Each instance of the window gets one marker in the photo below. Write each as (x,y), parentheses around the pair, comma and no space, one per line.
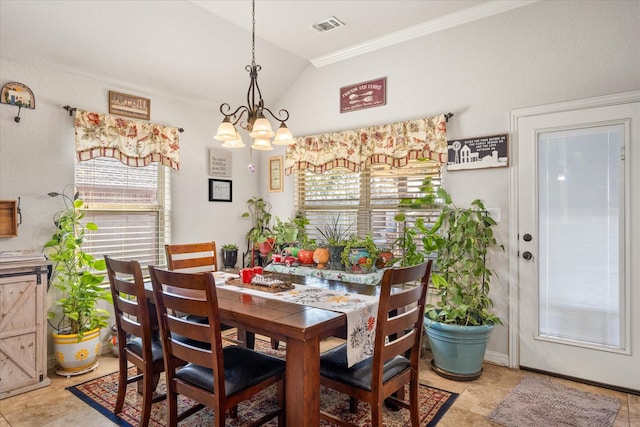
(368,199)
(130,206)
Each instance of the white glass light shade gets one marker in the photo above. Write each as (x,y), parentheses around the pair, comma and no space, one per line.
(261,129)
(226,131)
(235,143)
(283,136)
(262,144)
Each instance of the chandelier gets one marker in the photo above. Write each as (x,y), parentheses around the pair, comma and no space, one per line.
(256,123)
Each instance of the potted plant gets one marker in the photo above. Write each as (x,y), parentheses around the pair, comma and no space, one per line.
(285,231)
(260,234)
(78,319)
(229,255)
(460,323)
(360,254)
(336,237)
(307,247)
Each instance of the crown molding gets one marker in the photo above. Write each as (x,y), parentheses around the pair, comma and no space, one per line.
(455,19)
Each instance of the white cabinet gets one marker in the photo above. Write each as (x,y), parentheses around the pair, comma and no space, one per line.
(23,341)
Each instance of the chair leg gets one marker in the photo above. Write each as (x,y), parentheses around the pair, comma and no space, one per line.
(122,383)
(274,343)
(282,416)
(376,413)
(147,399)
(413,403)
(172,402)
(353,405)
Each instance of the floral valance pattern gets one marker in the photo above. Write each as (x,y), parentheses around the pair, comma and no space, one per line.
(133,142)
(392,144)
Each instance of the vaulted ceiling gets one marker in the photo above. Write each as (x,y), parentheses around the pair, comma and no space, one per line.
(198,50)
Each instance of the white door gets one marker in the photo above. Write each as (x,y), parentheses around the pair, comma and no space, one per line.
(578,239)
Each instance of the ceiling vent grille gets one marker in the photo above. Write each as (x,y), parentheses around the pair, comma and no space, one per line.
(328,24)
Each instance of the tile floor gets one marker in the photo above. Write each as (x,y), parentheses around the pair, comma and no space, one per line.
(54,406)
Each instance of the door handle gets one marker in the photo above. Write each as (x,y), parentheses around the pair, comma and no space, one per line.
(527,255)
(527,237)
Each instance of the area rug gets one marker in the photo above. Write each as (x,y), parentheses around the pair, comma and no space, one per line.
(100,393)
(540,402)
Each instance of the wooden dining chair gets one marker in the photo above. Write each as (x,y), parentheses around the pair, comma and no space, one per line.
(138,334)
(202,257)
(214,376)
(396,355)
(192,257)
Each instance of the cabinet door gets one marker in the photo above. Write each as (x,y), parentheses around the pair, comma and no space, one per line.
(19,332)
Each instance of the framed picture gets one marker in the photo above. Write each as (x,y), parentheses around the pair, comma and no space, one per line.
(276,182)
(220,162)
(136,107)
(220,190)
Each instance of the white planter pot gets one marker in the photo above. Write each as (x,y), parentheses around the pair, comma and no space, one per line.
(73,356)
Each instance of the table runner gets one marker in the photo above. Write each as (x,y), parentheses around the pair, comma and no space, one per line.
(340,275)
(361,311)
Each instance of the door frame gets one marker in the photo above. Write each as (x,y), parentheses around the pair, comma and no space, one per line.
(514,226)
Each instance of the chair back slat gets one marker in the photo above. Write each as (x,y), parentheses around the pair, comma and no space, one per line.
(192,257)
(400,316)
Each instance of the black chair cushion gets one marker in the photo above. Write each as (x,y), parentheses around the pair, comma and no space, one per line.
(243,368)
(135,345)
(333,365)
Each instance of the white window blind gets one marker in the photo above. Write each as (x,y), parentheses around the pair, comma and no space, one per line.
(130,206)
(368,199)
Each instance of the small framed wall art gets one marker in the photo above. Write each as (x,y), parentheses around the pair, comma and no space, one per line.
(132,106)
(276,182)
(220,162)
(220,190)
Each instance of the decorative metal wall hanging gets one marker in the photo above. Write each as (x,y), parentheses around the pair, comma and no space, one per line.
(18,94)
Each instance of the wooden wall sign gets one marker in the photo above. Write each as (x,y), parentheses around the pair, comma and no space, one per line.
(478,153)
(363,95)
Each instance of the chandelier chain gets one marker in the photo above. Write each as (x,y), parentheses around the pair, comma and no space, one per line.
(253,33)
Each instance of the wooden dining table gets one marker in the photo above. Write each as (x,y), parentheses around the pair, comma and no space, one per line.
(301,327)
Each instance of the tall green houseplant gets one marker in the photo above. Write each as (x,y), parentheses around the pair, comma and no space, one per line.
(75,274)
(462,238)
(460,321)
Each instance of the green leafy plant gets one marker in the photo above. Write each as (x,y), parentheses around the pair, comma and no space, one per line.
(360,242)
(74,273)
(260,214)
(285,231)
(229,247)
(333,232)
(459,239)
(462,237)
(411,234)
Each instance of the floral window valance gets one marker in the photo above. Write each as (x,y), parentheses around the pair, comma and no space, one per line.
(393,144)
(133,142)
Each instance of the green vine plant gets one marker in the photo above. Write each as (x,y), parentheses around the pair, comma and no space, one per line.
(74,273)
(461,239)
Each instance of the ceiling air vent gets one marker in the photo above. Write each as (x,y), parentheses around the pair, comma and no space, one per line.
(328,24)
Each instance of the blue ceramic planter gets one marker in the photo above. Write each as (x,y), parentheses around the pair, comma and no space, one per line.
(458,351)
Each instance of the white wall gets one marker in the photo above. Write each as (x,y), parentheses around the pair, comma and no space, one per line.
(546,52)
(37,156)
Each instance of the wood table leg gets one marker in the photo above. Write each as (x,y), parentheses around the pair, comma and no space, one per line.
(247,337)
(303,383)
